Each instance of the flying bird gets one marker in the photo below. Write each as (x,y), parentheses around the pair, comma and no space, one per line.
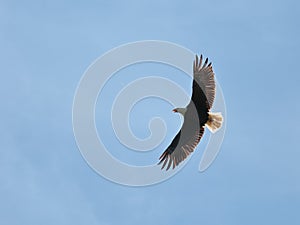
(196,116)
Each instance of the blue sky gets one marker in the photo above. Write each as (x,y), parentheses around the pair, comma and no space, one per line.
(47,45)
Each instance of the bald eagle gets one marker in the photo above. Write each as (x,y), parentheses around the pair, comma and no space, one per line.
(196,115)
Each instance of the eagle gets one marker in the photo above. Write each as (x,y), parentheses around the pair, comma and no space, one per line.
(196,116)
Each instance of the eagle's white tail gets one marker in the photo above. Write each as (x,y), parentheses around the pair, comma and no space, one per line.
(214,122)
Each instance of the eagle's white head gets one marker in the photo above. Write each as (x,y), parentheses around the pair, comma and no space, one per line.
(180,110)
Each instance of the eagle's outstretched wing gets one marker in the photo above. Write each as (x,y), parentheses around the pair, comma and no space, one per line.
(184,142)
(205,78)
(175,153)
